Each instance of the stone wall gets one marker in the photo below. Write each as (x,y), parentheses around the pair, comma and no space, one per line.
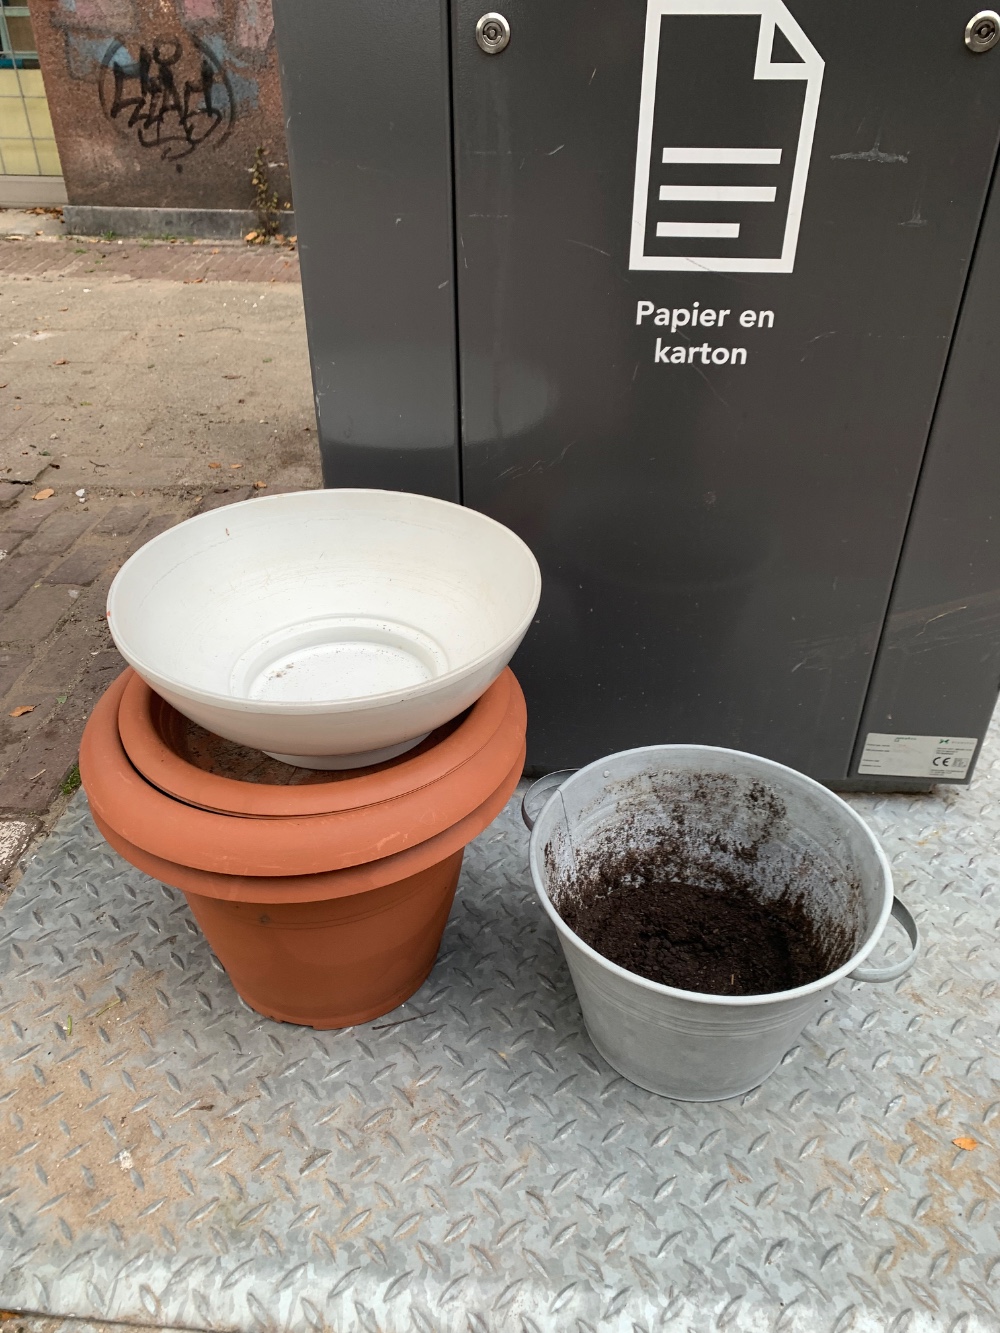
(162,103)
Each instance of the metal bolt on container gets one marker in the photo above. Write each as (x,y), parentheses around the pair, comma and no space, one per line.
(492,33)
(982,32)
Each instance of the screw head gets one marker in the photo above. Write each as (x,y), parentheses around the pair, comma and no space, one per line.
(492,33)
(982,32)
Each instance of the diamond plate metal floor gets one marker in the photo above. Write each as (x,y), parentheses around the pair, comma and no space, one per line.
(469,1163)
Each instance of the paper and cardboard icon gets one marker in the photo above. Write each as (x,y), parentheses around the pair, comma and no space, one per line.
(730,94)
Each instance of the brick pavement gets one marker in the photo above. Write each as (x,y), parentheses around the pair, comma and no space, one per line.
(187,262)
(56,655)
(59,555)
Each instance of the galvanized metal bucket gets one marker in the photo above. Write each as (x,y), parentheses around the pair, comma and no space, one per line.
(684,1044)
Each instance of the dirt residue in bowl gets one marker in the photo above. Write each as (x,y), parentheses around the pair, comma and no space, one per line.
(229,759)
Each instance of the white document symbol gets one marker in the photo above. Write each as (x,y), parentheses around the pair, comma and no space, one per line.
(730,93)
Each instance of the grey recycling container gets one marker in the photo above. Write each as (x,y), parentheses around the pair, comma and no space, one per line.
(701,303)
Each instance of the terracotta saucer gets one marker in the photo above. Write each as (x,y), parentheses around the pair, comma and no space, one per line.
(352,880)
(295,844)
(203,770)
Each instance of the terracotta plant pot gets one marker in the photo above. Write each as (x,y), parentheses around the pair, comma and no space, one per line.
(336,961)
(345,927)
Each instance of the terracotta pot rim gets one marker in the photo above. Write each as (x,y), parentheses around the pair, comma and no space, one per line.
(297,845)
(353,880)
(149,728)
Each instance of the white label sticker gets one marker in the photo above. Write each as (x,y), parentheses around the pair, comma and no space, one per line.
(938,757)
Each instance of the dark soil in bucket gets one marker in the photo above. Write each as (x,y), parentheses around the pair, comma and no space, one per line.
(720,941)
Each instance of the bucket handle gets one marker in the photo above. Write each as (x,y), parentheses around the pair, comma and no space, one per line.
(902,914)
(537,795)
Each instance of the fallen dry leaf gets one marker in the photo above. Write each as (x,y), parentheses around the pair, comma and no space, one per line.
(215,465)
(62,362)
(966,1144)
(250,236)
(235,465)
(45,494)
(189,281)
(259,485)
(21,709)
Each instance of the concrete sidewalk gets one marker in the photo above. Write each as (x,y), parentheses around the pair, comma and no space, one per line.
(140,383)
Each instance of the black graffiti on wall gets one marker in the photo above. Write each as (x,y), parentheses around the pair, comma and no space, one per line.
(175,95)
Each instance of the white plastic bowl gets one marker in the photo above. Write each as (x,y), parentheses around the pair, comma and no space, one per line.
(328,628)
